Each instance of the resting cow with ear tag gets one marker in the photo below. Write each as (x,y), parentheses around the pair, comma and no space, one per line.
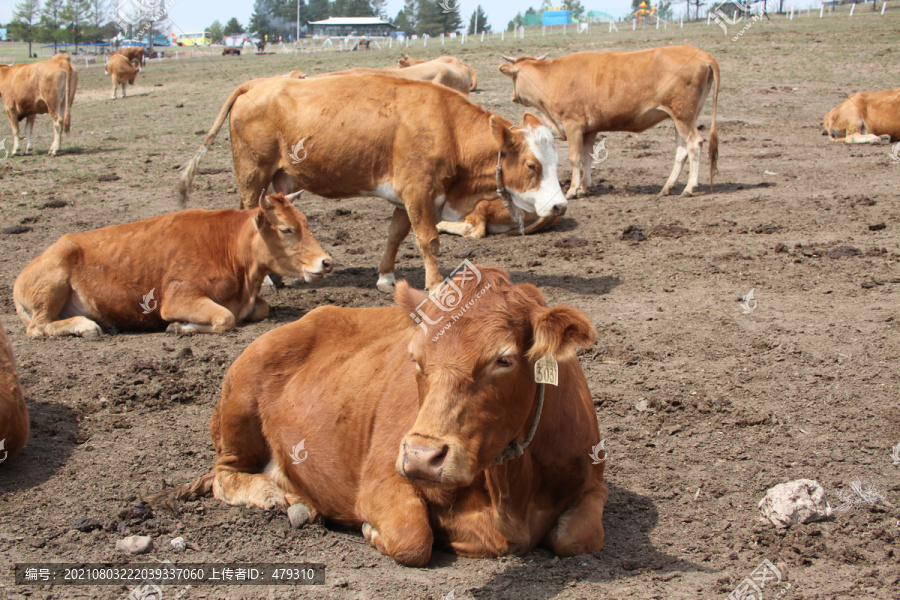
(430,426)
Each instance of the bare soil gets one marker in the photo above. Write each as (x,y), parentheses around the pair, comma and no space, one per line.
(703,406)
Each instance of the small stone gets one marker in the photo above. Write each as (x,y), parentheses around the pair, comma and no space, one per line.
(135,544)
(843,252)
(84,524)
(178,544)
(298,515)
(877,226)
(642,405)
(799,501)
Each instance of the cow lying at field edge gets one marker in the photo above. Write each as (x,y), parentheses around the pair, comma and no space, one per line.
(454,76)
(405,61)
(420,433)
(199,271)
(132,53)
(46,87)
(585,93)
(122,71)
(491,216)
(427,150)
(13,412)
(294,74)
(866,118)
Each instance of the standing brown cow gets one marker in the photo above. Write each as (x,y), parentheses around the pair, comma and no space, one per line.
(122,71)
(13,412)
(40,88)
(132,53)
(442,431)
(585,93)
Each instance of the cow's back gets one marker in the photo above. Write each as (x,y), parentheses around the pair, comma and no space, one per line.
(880,111)
(13,413)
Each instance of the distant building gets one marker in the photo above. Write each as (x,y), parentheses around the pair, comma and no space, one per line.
(556,17)
(359,26)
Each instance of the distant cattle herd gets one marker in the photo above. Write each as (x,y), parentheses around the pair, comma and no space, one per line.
(457,437)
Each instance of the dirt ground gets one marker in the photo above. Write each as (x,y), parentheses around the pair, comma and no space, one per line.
(703,406)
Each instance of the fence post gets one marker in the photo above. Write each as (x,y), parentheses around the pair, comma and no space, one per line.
(822,10)
(442,39)
(883,7)
(707,19)
(792,14)
(852,8)
(682,22)
(543,31)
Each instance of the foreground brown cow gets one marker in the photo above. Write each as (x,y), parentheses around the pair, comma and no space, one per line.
(585,93)
(122,71)
(199,271)
(421,434)
(132,53)
(40,88)
(491,216)
(405,61)
(13,412)
(866,118)
(427,150)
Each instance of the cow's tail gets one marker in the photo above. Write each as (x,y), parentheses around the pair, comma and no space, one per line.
(198,487)
(474,78)
(187,175)
(713,130)
(68,97)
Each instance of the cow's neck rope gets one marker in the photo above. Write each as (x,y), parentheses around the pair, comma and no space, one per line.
(516,449)
(514,211)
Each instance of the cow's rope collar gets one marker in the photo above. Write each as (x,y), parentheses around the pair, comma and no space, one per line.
(514,211)
(516,449)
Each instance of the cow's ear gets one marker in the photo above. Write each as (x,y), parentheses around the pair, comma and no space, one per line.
(502,134)
(530,120)
(260,219)
(559,332)
(408,298)
(533,293)
(509,71)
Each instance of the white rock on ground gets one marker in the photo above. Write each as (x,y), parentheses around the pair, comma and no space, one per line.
(178,544)
(136,544)
(799,501)
(298,515)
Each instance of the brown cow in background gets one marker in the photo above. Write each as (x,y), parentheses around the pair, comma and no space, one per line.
(407,61)
(866,118)
(122,71)
(13,413)
(46,87)
(132,53)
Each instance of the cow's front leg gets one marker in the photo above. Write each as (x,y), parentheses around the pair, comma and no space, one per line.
(576,142)
(421,216)
(29,128)
(14,123)
(196,314)
(587,160)
(867,138)
(579,530)
(396,520)
(260,311)
(398,231)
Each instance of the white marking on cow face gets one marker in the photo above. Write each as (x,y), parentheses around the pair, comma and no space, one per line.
(548,199)
(385,190)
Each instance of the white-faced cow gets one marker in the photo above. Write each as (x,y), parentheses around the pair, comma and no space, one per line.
(585,93)
(426,149)
(197,271)
(426,433)
(122,71)
(14,424)
(46,87)
(866,118)
(406,61)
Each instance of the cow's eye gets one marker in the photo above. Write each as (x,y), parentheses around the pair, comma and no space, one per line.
(504,362)
(532,166)
(285,230)
(413,360)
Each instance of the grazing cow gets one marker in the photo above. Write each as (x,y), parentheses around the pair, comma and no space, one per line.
(866,118)
(46,87)
(122,71)
(427,150)
(406,61)
(455,77)
(585,93)
(491,216)
(132,53)
(13,412)
(421,433)
(198,270)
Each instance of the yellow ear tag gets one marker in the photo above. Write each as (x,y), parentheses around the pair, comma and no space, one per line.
(546,370)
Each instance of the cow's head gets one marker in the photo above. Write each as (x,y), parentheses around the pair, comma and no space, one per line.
(404,61)
(474,367)
(525,90)
(288,247)
(528,161)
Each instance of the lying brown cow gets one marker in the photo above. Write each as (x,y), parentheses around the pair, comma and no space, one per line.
(405,61)
(866,118)
(199,271)
(13,412)
(585,93)
(132,53)
(294,74)
(427,150)
(421,433)
(491,216)
(454,76)
(40,88)
(122,71)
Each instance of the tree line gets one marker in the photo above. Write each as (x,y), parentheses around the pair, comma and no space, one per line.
(62,21)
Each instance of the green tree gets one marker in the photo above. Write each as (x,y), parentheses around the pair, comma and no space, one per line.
(359,8)
(379,8)
(576,8)
(319,9)
(403,23)
(432,20)
(411,10)
(51,19)
(100,12)
(76,14)
(24,25)
(216,31)
(233,27)
(478,22)
(517,21)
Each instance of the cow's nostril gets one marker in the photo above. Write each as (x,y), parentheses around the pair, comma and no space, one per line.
(424,462)
(558,210)
(437,461)
(327,265)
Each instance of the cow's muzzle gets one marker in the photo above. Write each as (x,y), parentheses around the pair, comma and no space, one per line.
(423,463)
(323,266)
(558,210)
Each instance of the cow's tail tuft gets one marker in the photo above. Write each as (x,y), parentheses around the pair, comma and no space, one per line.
(713,130)
(474,78)
(188,173)
(198,487)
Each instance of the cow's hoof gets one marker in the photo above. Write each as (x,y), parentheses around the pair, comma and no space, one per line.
(91,334)
(687,193)
(885,139)
(386,283)
(664,192)
(177,328)
(571,194)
